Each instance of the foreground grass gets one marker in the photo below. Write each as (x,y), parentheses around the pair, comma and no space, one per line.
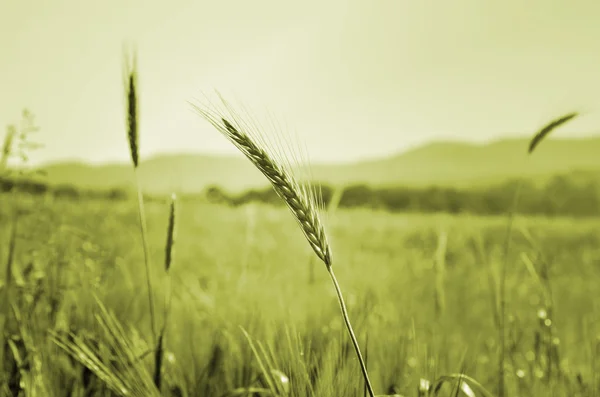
(246,269)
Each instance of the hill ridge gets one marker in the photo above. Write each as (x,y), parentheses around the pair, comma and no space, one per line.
(438,162)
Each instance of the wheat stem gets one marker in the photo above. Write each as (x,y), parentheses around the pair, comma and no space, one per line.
(144,232)
(346,317)
(502,308)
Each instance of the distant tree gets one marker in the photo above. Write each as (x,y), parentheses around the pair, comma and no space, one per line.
(557,191)
(214,194)
(457,200)
(359,195)
(395,199)
(6,184)
(66,191)
(116,194)
(32,187)
(324,190)
(562,195)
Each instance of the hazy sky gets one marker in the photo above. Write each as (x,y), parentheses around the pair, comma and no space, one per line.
(353,78)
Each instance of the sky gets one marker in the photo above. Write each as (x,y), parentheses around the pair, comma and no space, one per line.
(352,79)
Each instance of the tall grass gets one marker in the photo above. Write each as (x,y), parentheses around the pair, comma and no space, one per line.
(9,316)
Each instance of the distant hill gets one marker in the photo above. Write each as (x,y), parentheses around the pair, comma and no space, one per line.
(440,163)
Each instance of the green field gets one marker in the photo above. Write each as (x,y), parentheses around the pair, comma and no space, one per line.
(420,310)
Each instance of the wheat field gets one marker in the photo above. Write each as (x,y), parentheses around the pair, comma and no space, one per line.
(420,290)
(183,297)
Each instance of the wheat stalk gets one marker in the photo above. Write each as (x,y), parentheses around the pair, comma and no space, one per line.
(534,142)
(159,352)
(132,113)
(301,200)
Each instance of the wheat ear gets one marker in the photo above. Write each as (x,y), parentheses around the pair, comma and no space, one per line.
(300,199)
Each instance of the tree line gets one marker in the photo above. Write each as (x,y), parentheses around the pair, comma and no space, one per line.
(561,195)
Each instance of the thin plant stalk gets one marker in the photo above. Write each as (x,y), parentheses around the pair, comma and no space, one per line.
(144,233)
(502,303)
(169,247)
(440,273)
(539,136)
(365,389)
(6,302)
(363,365)
(132,114)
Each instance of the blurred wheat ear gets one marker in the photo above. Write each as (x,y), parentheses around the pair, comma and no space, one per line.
(159,352)
(170,233)
(7,146)
(548,128)
(301,199)
(131,84)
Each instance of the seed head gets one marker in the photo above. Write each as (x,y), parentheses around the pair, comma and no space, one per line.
(300,199)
